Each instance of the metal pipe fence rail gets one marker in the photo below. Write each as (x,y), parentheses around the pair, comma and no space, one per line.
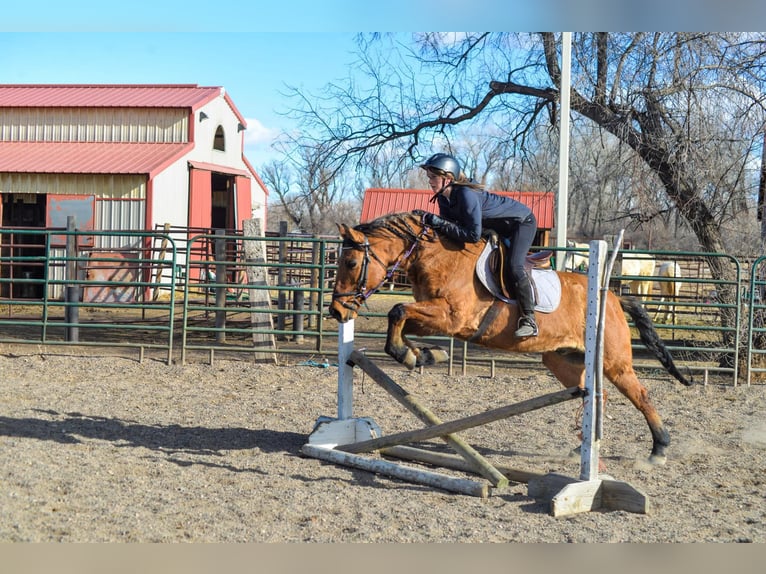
(85,296)
(265,298)
(236,302)
(756,320)
(697,316)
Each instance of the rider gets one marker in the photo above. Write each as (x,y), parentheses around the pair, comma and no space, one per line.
(465,208)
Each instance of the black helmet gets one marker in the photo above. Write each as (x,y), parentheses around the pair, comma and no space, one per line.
(443,162)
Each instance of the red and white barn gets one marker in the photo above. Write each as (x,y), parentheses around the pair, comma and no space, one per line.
(121,157)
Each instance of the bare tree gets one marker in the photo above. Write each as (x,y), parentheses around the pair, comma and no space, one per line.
(676,100)
(690,107)
(309,195)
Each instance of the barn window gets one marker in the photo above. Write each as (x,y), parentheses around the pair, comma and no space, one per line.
(219,142)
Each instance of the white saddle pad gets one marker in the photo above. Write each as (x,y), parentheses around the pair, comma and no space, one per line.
(545,282)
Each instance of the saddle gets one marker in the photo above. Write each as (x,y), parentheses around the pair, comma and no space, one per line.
(497,258)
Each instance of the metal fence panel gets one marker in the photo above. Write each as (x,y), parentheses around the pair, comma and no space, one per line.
(275,306)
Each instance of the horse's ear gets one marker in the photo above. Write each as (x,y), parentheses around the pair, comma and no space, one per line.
(350,233)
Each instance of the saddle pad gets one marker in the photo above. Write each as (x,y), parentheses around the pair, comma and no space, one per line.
(546,284)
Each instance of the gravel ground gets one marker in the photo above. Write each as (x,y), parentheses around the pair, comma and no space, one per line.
(107,449)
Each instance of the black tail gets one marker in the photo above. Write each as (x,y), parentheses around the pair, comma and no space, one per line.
(650,338)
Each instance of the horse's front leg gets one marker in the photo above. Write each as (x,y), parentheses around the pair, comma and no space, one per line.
(420,318)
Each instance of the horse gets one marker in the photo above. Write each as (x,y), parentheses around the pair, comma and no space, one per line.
(634,265)
(575,260)
(638,265)
(669,289)
(450,300)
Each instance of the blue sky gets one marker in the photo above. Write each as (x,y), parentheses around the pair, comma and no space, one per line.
(254,68)
(255,48)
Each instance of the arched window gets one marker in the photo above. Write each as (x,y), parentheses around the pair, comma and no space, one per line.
(219,142)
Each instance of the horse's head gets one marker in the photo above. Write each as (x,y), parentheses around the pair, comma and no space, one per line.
(370,254)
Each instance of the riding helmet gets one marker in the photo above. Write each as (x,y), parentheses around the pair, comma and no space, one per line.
(443,162)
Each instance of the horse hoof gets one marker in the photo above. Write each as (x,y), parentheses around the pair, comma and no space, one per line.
(425,358)
(657,459)
(410,360)
(439,355)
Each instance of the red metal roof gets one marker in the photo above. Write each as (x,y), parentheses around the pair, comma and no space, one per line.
(106,95)
(379,202)
(75,157)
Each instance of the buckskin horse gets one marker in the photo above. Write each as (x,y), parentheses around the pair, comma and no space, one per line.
(451,300)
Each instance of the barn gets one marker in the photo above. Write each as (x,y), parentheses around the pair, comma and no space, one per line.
(379,201)
(120,158)
(125,157)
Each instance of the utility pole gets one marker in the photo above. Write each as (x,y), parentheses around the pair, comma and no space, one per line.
(562,199)
(762,195)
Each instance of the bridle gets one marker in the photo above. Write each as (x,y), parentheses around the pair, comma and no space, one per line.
(362,293)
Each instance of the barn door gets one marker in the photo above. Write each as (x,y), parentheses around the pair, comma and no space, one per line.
(200,199)
(242,200)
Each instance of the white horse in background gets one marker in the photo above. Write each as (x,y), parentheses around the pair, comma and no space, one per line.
(633,264)
(669,289)
(638,265)
(576,260)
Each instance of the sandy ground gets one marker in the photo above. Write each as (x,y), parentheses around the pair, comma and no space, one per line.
(107,449)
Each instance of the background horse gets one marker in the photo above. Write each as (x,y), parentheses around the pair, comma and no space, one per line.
(632,264)
(450,300)
(669,289)
(637,265)
(576,260)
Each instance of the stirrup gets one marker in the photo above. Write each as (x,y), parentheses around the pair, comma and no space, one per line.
(527,328)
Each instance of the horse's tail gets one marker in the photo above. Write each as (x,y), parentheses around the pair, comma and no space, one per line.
(650,338)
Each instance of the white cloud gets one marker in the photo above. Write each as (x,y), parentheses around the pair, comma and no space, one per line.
(257,134)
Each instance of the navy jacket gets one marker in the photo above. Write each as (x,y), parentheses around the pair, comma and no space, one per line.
(473,210)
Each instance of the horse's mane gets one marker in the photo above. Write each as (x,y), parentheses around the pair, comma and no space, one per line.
(400,224)
(407,225)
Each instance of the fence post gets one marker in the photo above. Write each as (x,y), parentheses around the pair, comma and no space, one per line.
(220,290)
(282,296)
(257,276)
(298,316)
(314,299)
(72,309)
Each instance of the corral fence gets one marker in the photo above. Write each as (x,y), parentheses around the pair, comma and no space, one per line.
(183,294)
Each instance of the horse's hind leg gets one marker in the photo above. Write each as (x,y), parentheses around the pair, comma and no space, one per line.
(628,384)
(569,368)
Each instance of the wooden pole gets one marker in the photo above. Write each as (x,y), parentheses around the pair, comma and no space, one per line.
(453,462)
(260,299)
(282,279)
(409,474)
(444,429)
(481,465)
(161,257)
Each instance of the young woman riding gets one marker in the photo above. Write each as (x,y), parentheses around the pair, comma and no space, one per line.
(465,208)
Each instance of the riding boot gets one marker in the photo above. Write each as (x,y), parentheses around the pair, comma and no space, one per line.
(524,298)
